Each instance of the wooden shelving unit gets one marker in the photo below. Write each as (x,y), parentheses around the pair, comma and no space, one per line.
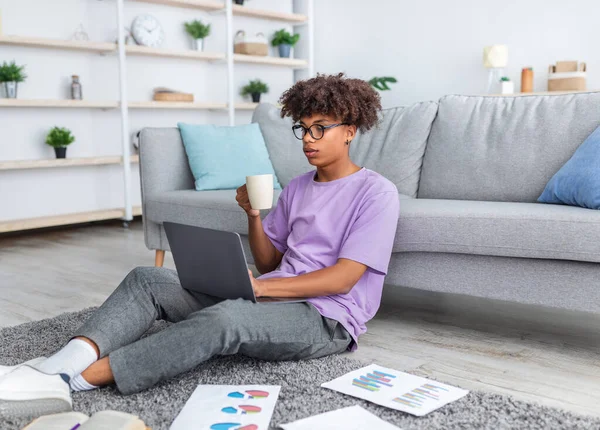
(56,220)
(64,162)
(207,5)
(72,45)
(292,18)
(176,105)
(227,58)
(167,53)
(237,10)
(49,103)
(273,61)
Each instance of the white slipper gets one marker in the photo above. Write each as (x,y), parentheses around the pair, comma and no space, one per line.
(27,392)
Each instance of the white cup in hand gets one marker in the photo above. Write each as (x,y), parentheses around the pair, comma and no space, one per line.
(260,191)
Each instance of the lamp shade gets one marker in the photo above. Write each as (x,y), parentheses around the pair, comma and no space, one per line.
(495,56)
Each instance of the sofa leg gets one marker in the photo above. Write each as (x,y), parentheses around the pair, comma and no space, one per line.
(160,258)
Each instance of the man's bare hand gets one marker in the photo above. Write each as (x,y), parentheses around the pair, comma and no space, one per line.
(257,285)
(244,202)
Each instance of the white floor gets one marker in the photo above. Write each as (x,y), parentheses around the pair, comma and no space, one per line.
(537,354)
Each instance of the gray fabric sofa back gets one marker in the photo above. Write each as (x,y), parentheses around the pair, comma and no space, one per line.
(503,148)
(394,148)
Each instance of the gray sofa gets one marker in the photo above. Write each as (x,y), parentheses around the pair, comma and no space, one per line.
(469,171)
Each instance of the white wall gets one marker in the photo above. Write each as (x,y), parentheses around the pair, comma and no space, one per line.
(435,47)
(34,193)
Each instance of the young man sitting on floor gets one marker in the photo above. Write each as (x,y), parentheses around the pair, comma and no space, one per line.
(329,238)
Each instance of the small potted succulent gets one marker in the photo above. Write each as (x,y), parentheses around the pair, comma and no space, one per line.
(255,89)
(59,138)
(381,83)
(284,41)
(10,76)
(198,31)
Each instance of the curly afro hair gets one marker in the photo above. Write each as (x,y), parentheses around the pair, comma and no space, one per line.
(353,101)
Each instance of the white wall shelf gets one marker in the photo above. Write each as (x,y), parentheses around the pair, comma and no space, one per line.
(64,162)
(73,45)
(49,103)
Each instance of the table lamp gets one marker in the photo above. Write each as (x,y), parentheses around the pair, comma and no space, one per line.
(495,58)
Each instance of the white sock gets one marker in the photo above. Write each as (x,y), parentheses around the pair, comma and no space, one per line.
(79,383)
(74,358)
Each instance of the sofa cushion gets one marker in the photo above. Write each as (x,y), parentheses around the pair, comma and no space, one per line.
(577,183)
(393,149)
(210,209)
(221,157)
(503,148)
(396,146)
(529,230)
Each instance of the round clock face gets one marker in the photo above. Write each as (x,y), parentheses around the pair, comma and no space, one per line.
(146,30)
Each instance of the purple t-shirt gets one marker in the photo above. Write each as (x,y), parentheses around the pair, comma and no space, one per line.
(316,223)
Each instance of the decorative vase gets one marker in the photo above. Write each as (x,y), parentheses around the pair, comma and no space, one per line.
(255,97)
(199,44)
(284,50)
(61,152)
(10,89)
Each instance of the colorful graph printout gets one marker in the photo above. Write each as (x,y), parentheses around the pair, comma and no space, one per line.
(228,407)
(396,390)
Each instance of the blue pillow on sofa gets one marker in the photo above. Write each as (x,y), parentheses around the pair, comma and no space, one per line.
(221,157)
(577,183)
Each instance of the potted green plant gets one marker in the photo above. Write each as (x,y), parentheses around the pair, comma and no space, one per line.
(284,41)
(59,138)
(198,31)
(10,76)
(381,83)
(255,89)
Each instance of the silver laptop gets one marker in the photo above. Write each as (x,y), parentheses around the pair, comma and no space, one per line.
(213,262)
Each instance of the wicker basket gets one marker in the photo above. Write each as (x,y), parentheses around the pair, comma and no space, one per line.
(247,45)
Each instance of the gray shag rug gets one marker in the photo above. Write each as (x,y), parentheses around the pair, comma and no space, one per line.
(301,395)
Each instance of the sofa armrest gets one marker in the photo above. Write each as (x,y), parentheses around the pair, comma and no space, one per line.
(163,162)
(163,167)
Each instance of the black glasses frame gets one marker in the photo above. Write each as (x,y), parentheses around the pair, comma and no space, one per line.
(308,129)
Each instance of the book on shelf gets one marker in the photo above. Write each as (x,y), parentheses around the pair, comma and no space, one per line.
(112,420)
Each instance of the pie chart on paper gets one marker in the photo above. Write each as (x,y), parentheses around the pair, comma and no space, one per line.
(242,409)
(232,426)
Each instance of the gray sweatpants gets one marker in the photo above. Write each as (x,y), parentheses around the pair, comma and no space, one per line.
(204,327)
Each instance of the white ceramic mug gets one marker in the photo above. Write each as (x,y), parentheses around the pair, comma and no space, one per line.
(260,191)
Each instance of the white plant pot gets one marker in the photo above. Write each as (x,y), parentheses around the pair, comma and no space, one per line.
(508,87)
(199,44)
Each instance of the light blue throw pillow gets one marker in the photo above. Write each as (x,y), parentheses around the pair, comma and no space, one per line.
(221,157)
(577,183)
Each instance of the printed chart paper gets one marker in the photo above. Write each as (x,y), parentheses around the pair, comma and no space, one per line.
(396,390)
(351,418)
(228,407)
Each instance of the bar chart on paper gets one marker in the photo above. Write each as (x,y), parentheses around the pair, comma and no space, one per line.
(396,390)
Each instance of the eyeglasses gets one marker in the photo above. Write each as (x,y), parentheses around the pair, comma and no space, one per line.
(316,130)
